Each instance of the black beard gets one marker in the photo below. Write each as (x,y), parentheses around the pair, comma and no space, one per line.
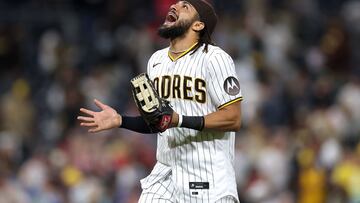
(176,30)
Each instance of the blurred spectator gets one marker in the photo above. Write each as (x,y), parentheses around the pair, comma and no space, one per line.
(312,178)
(18,111)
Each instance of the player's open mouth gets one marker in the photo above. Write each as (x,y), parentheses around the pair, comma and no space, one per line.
(171,18)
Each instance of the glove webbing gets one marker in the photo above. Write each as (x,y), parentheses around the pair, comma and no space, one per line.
(145,93)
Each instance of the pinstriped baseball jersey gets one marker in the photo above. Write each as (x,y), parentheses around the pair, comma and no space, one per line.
(196,84)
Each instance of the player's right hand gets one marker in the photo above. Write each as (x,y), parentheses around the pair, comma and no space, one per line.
(105,119)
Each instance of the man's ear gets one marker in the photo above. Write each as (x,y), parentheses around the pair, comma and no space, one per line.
(198,26)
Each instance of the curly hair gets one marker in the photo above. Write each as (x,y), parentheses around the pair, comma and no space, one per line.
(204,38)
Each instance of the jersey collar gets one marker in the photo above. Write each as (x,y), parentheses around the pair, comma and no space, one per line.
(183,54)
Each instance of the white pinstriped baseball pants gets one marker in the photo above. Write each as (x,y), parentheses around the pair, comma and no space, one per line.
(163,191)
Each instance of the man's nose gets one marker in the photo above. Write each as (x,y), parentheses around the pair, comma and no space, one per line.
(174,6)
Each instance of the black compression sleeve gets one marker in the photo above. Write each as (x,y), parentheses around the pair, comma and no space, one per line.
(136,124)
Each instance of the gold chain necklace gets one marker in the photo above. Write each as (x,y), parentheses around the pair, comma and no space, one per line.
(177,52)
(180,52)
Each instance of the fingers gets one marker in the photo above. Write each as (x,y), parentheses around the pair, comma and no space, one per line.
(100,104)
(93,127)
(94,130)
(87,119)
(86,111)
(88,124)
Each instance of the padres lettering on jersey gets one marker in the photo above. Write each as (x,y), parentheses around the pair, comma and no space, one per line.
(180,87)
(201,163)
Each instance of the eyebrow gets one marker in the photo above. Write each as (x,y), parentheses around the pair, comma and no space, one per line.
(185,2)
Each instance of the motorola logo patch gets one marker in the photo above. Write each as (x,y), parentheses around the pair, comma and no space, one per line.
(232,86)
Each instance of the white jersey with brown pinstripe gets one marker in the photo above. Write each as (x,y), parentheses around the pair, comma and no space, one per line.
(196,84)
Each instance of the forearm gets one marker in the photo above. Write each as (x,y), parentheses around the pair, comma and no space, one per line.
(136,124)
(222,121)
(225,119)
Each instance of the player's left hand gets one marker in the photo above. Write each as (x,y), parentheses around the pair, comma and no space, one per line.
(156,111)
(105,119)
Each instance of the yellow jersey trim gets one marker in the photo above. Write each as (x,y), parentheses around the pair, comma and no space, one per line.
(183,54)
(230,102)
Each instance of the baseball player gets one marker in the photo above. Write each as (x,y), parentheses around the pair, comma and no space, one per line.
(195,154)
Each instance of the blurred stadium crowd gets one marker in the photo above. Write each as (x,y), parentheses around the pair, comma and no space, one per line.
(298,63)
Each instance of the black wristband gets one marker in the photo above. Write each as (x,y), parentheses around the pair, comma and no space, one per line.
(136,124)
(193,122)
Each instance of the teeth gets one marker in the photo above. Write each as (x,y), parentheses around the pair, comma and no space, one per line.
(173,15)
